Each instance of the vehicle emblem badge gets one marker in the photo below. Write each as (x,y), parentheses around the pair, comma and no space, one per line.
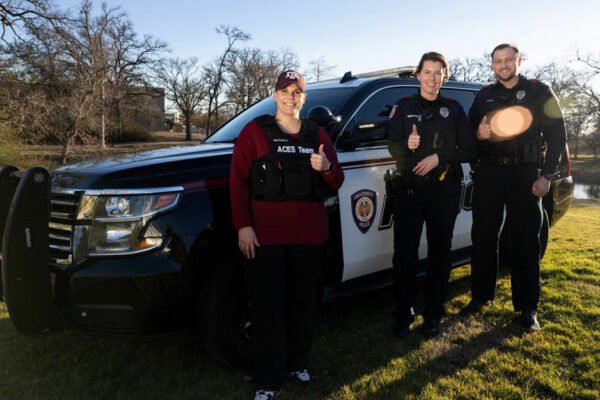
(444,112)
(38,178)
(364,207)
(520,94)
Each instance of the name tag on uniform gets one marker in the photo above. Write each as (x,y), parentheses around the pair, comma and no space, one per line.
(294,149)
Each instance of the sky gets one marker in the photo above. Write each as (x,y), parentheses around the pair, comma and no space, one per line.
(371,35)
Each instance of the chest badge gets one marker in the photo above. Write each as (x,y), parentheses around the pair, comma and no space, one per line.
(364,207)
(444,112)
(520,94)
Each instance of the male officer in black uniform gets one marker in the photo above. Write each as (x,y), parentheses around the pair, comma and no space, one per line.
(516,164)
(430,136)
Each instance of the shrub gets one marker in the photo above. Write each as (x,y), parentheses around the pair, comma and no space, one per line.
(131,132)
(9,148)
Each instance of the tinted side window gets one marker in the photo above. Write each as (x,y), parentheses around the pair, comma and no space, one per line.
(464,97)
(330,98)
(368,126)
(379,105)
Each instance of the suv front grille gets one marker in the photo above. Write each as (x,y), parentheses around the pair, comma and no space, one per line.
(63,212)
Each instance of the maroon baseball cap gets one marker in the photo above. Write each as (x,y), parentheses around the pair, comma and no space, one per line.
(288,77)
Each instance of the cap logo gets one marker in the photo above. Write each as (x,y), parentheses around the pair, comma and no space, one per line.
(291,75)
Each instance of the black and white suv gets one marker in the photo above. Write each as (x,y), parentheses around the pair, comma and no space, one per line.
(143,245)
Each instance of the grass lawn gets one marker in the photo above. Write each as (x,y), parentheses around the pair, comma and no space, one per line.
(355,356)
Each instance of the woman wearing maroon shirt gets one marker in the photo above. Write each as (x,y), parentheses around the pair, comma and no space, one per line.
(282,234)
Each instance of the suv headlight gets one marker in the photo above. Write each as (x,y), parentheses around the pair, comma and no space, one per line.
(120,219)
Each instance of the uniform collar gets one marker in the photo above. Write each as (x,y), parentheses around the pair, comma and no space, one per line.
(429,103)
(523,81)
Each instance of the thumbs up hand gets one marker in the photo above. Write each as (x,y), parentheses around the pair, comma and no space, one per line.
(414,139)
(484,132)
(319,162)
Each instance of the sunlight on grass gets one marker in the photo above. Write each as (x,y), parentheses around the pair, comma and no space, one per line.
(355,356)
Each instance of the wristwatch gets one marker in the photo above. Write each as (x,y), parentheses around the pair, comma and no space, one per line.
(548,175)
(328,168)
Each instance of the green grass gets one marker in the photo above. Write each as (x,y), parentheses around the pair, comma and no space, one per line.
(355,356)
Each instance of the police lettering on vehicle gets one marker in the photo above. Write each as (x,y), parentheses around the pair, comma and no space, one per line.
(364,206)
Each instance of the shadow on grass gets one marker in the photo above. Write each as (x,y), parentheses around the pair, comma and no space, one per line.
(353,340)
(458,353)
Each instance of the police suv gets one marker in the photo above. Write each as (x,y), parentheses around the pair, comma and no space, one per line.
(142,245)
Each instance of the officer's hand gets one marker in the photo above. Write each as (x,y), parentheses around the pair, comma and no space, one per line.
(484,132)
(319,162)
(427,164)
(414,139)
(247,240)
(540,187)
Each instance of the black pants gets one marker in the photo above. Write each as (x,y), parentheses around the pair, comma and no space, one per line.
(496,187)
(438,210)
(281,281)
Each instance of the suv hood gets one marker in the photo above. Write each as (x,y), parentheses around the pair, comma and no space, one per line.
(152,168)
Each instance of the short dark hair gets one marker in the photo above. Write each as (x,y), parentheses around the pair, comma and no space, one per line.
(506,46)
(433,56)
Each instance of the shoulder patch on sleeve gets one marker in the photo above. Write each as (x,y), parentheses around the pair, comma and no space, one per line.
(489,85)
(451,98)
(533,80)
(405,97)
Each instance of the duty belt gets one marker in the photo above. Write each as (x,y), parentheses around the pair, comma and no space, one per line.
(502,160)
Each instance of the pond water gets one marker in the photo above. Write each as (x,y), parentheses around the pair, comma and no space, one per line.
(586,191)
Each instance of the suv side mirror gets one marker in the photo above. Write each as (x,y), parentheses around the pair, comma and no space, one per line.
(321,115)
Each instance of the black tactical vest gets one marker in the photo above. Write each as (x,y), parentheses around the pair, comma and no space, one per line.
(436,127)
(285,172)
(528,148)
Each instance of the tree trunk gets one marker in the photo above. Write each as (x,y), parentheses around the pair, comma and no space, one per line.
(103,124)
(188,127)
(207,128)
(66,150)
(118,118)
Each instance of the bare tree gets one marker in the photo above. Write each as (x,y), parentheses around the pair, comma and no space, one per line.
(184,87)
(214,72)
(591,61)
(472,69)
(318,70)
(130,62)
(592,140)
(59,71)
(568,85)
(252,75)
(51,94)
(15,13)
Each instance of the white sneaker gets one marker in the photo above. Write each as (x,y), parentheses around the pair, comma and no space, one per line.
(266,394)
(300,376)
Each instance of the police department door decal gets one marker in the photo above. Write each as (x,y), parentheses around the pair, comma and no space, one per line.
(364,206)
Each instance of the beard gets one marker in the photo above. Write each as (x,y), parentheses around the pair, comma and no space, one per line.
(510,76)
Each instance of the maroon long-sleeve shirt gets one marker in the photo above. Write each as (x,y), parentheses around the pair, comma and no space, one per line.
(277,222)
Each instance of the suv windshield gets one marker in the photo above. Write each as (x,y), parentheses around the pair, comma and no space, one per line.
(330,98)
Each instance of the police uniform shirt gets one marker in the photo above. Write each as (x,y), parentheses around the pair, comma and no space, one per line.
(441,116)
(539,99)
